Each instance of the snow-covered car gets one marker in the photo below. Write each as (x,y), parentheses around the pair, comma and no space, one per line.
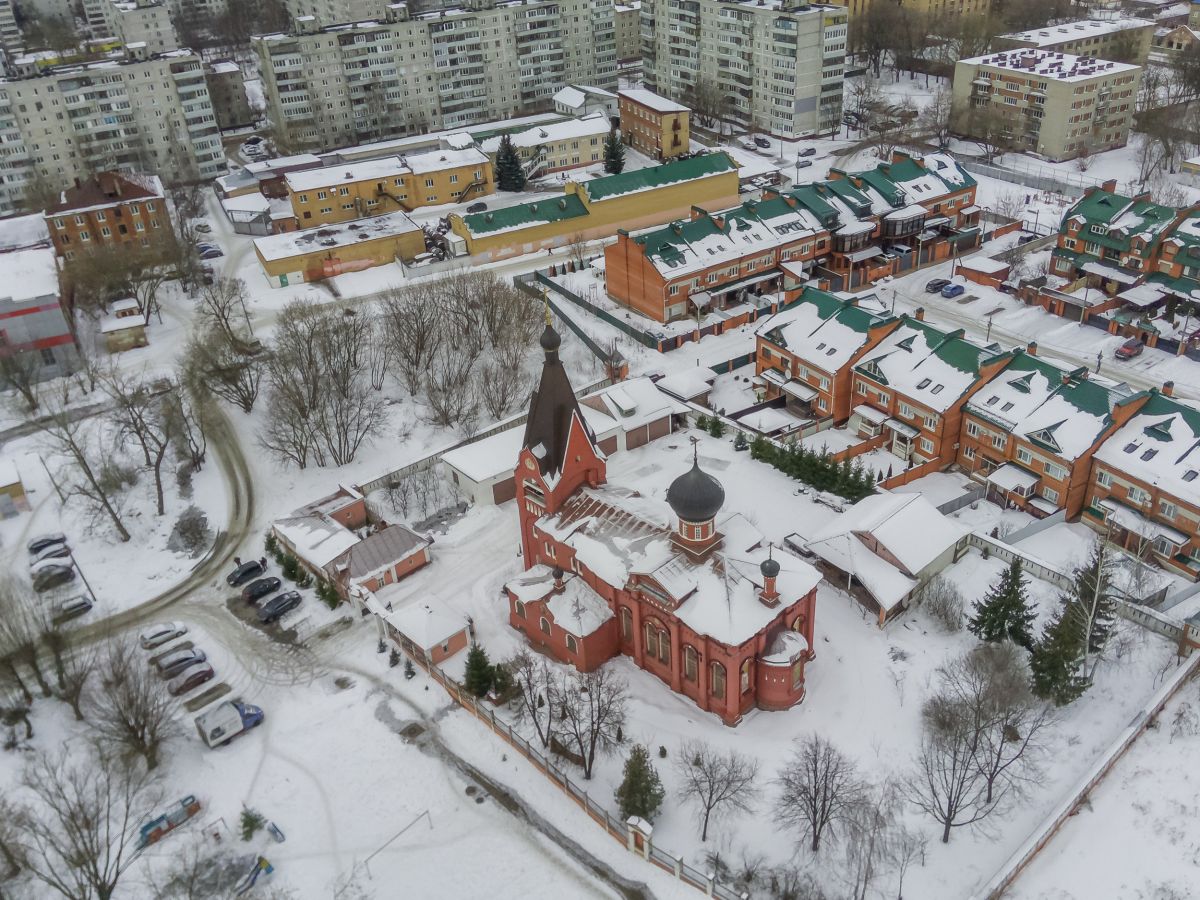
(173,662)
(72,608)
(190,678)
(51,574)
(202,228)
(45,540)
(52,551)
(157,635)
(747,144)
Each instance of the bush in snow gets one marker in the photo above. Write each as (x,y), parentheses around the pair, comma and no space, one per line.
(251,822)
(409,671)
(190,534)
(940,598)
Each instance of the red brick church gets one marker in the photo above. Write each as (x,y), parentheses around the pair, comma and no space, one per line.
(694,596)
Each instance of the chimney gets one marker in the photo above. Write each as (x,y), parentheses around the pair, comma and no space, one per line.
(1110,186)
(1168,389)
(1031,349)
(919,314)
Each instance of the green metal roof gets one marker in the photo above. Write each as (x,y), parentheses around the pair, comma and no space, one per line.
(1127,217)
(829,306)
(658,176)
(1182,286)
(1159,405)
(525,215)
(663,242)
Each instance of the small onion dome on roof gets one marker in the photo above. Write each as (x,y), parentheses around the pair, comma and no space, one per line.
(557,573)
(769,568)
(549,340)
(695,496)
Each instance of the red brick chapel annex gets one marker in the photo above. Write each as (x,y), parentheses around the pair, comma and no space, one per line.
(692,595)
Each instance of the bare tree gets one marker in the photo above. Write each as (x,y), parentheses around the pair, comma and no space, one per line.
(413,327)
(221,307)
(991,127)
(20,372)
(709,104)
(535,684)
(228,371)
(78,834)
(718,783)
(501,387)
(73,669)
(447,386)
(817,787)
(76,440)
(591,712)
(23,620)
(936,119)
(133,711)
(870,824)
(12,853)
(138,412)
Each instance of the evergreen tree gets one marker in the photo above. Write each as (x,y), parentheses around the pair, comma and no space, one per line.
(739,441)
(614,154)
(716,426)
(640,792)
(1004,613)
(761,448)
(510,174)
(1093,599)
(1054,663)
(479,673)
(702,422)
(409,671)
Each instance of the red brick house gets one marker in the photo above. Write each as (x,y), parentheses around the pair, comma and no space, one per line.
(108,210)
(692,596)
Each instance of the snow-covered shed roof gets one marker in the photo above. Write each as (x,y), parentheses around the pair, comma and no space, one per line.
(427,624)
(596,124)
(333,176)
(327,237)
(688,384)
(23,231)
(823,330)
(1160,446)
(8,472)
(379,551)
(28,274)
(316,539)
(632,403)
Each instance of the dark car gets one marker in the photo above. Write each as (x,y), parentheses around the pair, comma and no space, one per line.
(808,151)
(65,610)
(274,608)
(803,163)
(256,590)
(172,663)
(1026,238)
(51,576)
(762,143)
(42,541)
(1131,348)
(245,572)
(477,208)
(189,678)
(953,290)
(935,285)
(211,253)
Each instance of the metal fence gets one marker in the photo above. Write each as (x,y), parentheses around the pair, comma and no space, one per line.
(1039,179)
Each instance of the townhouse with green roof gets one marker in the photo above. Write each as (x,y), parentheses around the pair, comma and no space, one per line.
(1029,433)
(807,352)
(909,390)
(1144,491)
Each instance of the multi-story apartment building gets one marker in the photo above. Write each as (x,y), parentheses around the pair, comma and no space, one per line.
(227,91)
(1145,484)
(627,22)
(1030,433)
(133,22)
(653,125)
(927,8)
(808,351)
(714,261)
(333,12)
(1120,39)
(912,386)
(1051,103)
(11,39)
(333,194)
(774,66)
(109,210)
(133,111)
(344,84)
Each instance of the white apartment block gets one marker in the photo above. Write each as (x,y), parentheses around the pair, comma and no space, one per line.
(327,86)
(11,38)
(336,12)
(776,65)
(132,111)
(142,21)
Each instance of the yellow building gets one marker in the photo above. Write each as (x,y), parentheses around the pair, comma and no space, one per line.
(1120,38)
(325,251)
(334,194)
(558,146)
(595,209)
(922,7)
(653,125)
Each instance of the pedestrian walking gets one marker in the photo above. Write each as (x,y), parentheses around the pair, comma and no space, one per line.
(1099,357)
(237,561)
(263,562)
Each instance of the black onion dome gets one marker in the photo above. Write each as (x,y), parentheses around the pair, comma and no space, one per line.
(695,496)
(549,340)
(769,568)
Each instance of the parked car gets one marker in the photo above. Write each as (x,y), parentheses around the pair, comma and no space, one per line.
(1026,238)
(206,245)
(747,144)
(54,551)
(51,575)
(803,163)
(762,143)
(172,663)
(253,140)
(1131,348)
(211,253)
(245,572)
(45,540)
(274,608)
(190,678)
(202,228)
(935,285)
(953,290)
(72,608)
(206,275)
(808,151)
(477,208)
(256,590)
(157,635)
(224,722)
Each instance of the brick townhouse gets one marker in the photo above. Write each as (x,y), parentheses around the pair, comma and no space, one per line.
(912,386)
(807,352)
(110,209)
(1144,491)
(1030,433)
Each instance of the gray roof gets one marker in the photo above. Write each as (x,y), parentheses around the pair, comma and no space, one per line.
(380,550)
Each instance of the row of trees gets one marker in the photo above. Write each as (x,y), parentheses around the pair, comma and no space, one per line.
(846,479)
